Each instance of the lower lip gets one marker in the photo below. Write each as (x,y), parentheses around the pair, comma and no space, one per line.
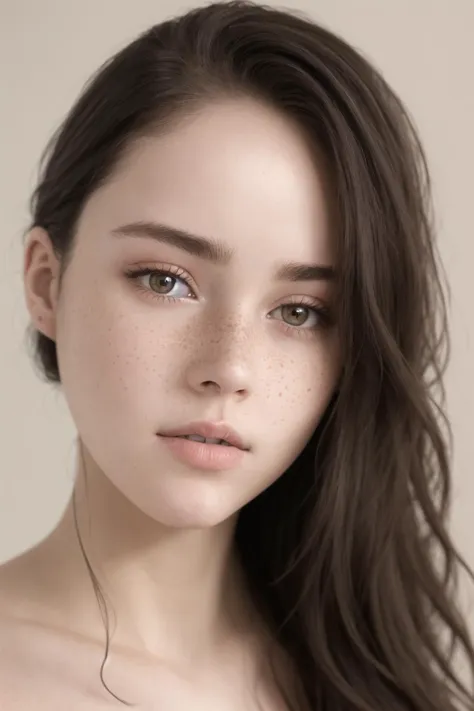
(209,457)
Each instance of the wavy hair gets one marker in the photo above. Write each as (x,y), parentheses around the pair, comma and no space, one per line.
(347,555)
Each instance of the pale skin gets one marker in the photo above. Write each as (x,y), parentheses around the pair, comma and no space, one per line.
(159,534)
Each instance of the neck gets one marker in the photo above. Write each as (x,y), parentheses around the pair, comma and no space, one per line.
(173,593)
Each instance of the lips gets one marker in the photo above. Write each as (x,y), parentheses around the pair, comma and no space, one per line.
(204,440)
(209,430)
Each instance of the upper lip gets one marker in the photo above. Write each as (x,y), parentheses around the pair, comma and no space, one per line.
(216,430)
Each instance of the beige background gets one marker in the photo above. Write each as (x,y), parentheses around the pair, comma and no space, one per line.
(48,48)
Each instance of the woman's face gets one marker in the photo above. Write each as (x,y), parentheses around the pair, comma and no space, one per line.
(231,332)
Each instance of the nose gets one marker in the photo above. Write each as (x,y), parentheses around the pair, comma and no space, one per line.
(222,367)
(223,379)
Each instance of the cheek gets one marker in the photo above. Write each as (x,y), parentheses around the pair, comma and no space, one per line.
(300,388)
(114,360)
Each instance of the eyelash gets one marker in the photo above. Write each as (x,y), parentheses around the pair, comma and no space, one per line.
(322,312)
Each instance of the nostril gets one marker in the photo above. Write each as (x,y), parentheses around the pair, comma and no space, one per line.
(209,384)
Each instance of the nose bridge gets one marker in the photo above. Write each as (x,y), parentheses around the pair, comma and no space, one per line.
(228,334)
(223,355)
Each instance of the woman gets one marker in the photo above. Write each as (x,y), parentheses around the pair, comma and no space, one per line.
(230,271)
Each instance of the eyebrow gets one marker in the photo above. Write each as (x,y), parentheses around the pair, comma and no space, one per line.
(214,251)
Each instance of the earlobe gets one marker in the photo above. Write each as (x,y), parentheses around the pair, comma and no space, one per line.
(41,277)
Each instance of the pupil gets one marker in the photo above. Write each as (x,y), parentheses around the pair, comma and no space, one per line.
(296,315)
(163,283)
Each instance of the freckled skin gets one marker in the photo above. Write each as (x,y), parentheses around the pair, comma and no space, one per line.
(133,363)
(132,366)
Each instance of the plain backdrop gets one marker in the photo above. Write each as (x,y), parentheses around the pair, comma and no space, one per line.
(48,49)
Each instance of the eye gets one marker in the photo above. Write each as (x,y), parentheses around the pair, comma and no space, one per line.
(296,314)
(162,282)
(168,285)
(301,316)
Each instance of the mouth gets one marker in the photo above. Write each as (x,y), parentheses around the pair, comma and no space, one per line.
(205,440)
(206,446)
(210,433)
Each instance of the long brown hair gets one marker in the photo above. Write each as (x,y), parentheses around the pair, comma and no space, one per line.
(347,555)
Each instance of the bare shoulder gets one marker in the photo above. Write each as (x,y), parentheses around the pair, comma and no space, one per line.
(39,669)
(45,667)
(47,671)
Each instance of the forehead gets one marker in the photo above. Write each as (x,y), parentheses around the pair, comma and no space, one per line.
(237,172)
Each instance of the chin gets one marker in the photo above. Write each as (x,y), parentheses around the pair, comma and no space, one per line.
(187,507)
(189,519)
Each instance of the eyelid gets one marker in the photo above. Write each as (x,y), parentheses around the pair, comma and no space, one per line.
(304,300)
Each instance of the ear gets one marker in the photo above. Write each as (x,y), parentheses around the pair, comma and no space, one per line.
(41,270)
